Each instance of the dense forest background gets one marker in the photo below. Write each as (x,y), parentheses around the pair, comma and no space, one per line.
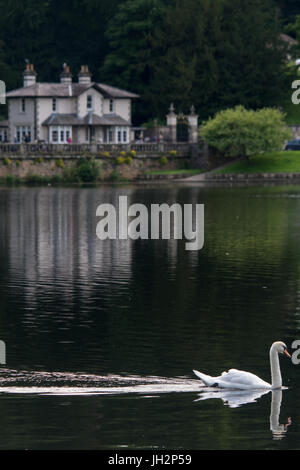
(209,53)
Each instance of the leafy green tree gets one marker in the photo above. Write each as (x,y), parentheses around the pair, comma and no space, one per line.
(239,132)
(129,62)
(219,54)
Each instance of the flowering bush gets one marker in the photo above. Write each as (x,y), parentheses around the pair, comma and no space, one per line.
(120,160)
(163,160)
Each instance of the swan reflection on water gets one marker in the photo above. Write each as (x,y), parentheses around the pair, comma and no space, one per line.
(236,398)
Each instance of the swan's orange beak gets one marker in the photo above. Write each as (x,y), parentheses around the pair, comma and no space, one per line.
(287,353)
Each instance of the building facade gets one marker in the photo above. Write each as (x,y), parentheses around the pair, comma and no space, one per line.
(68,111)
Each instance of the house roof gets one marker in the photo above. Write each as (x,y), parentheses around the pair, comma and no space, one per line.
(62,119)
(66,90)
(90,119)
(105,120)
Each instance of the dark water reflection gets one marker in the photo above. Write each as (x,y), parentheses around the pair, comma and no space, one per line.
(102,336)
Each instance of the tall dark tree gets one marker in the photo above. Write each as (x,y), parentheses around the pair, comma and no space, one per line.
(130,59)
(219,54)
(51,32)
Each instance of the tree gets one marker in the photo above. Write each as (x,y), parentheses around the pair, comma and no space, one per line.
(219,54)
(239,132)
(129,61)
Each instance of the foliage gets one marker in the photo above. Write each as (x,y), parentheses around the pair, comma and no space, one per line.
(12,180)
(217,55)
(129,61)
(163,160)
(128,160)
(88,170)
(120,160)
(240,132)
(59,163)
(6,161)
(213,54)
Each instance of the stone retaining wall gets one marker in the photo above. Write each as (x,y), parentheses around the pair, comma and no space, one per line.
(49,166)
(250,176)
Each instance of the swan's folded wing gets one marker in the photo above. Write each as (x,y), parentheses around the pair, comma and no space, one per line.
(240,378)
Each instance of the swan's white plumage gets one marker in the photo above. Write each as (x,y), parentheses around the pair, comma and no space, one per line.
(239,379)
(234,378)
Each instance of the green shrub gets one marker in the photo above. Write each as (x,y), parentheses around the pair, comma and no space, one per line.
(173,153)
(239,132)
(6,161)
(39,160)
(163,160)
(57,179)
(120,160)
(59,163)
(115,176)
(88,170)
(128,160)
(35,179)
(18,163)
(13,180)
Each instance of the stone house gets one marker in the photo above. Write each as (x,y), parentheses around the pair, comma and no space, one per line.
(68,111)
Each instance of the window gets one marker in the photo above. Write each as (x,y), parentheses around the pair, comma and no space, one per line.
(3,135)
(54,104)
(23,134)
(122,134)
(54,134)
(89,101)
(111,106)
(60,134)
(23,105)
(110,135)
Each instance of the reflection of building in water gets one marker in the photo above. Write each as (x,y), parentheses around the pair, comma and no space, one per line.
(52,242)
(53,247)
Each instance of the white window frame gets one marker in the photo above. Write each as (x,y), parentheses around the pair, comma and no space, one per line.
(21,132)
(3,135)
(63,134)
(122,135)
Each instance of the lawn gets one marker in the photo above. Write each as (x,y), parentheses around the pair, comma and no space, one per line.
(275,162)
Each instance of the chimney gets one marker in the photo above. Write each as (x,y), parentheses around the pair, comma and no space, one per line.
(29,75)
(66,76)
(84,75)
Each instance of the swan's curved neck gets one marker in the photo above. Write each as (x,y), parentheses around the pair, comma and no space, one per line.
(275,369)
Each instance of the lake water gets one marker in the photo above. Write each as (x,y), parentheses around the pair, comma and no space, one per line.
(102,336)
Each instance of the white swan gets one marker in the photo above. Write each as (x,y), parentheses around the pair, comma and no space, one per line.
(239,379)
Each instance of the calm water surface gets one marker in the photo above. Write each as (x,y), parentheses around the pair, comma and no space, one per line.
(102,336)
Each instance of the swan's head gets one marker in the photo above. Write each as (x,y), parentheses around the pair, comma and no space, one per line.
(281,348)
